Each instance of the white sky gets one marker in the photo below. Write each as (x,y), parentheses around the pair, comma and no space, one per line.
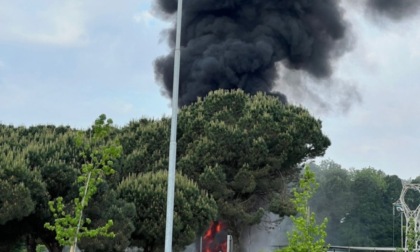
(67,61)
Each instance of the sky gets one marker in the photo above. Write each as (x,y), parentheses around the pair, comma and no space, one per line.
(65,62)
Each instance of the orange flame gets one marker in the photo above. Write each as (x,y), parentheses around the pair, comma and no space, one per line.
(215,238)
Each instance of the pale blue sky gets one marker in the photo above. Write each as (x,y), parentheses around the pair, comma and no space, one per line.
(67,61)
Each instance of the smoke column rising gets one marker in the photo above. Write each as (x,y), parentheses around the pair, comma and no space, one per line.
(233,44)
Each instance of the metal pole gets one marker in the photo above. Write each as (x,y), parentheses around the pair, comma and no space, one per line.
(172,145)
(229,245)
(402,241)
(393,225)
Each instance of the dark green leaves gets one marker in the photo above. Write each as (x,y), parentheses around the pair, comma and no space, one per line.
(193,210)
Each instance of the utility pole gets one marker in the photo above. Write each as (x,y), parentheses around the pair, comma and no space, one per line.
(172,145)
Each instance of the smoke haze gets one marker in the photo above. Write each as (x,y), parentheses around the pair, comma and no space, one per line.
(236,43)
(394,9)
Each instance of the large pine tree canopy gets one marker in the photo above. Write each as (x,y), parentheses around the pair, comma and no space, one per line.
(238,155)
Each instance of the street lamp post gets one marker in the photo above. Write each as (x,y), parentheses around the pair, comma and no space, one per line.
(172,145)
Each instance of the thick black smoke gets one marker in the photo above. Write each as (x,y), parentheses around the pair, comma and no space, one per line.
(233,44)
(395,9)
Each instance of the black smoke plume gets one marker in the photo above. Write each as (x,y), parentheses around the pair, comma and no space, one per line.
(394,9)
(233,44)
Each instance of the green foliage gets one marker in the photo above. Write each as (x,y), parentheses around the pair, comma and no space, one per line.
(307,236)
(21,188)
(16,201)
(28,178)
(41,248)
(99,155)
(244,150)
(145,146)
(109,206)
(412,236)
(193,209)
(18,247)
(333,198)
(358,205)
(370,216)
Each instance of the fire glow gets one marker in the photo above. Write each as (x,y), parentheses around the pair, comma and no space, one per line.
(215,238)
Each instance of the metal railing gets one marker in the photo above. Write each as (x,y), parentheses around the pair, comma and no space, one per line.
(350,248)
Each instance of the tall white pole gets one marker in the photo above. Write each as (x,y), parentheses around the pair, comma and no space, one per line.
(172,145)
(402,240)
